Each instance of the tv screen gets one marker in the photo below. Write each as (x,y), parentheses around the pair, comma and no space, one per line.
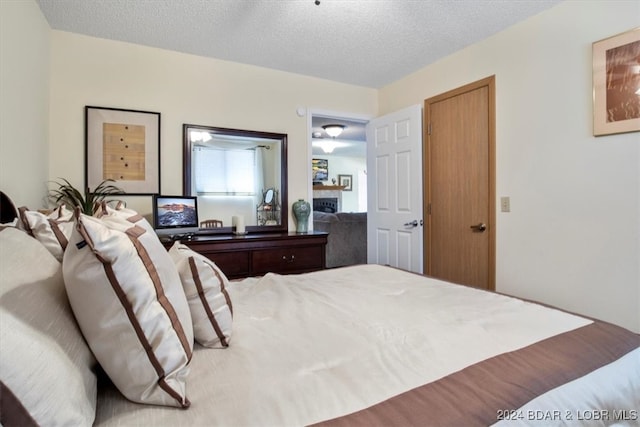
(175,215)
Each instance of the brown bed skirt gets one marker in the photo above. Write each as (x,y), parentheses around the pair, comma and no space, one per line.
(483,393)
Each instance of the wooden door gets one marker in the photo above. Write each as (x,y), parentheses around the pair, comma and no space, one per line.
(459,162)
(394,175)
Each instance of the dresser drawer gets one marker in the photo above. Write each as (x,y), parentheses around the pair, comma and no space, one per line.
(287,260)
(256,254)
(232,264)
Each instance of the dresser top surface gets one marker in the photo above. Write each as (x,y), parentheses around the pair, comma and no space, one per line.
(203,237)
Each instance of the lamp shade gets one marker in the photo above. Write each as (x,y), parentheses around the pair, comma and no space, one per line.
(333,130)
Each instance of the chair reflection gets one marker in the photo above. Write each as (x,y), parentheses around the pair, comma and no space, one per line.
(211,223)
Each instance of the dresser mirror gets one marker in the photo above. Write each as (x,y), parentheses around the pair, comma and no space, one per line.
(237,175)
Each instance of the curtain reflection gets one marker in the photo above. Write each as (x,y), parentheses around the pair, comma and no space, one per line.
(259,174)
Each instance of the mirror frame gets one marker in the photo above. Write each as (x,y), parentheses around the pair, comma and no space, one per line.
(283,227)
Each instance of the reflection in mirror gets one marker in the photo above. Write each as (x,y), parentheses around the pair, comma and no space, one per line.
(269,211)
(233,172)
(268,196)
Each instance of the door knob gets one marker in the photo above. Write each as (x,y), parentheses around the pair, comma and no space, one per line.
(413,223)
(479,227)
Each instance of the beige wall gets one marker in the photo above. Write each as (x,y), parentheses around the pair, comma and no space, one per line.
(184,89)
(24,102)
(573,235)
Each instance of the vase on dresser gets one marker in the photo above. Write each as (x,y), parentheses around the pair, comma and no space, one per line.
(301,210)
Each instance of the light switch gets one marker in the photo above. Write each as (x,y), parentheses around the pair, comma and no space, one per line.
(505,204)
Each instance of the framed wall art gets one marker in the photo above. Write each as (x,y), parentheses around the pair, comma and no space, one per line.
(123,145)
(320,169)
(616,84)
(346,181)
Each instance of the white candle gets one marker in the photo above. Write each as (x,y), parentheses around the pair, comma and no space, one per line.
(238,223)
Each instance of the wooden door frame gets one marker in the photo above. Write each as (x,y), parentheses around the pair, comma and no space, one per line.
(489,82)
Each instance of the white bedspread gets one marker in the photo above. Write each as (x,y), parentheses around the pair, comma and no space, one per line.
(311,347)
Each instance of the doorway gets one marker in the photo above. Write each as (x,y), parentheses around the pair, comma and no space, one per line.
(459,185)
(343,159)
(393,155)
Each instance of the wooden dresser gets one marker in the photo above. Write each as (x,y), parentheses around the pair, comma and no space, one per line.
(255,254)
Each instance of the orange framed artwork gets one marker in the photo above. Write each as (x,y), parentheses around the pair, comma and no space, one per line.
(616,84)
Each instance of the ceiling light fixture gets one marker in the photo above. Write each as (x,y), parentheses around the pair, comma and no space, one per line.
(333,130)
(328,146)
(197,136)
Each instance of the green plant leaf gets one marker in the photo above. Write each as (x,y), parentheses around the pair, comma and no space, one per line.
(66,193)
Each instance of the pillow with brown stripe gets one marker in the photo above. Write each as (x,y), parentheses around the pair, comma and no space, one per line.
(205,286)
(106,212)
(127,296)
(52,230)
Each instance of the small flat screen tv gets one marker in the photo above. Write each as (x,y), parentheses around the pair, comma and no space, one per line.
(175,216)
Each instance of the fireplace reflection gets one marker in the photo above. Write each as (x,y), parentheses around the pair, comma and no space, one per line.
(325,204)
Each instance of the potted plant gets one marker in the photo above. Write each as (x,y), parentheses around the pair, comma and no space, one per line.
(87,201)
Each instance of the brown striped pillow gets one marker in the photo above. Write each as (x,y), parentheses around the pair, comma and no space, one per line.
(128,299)
(120,211)
(205,287)
(52,230)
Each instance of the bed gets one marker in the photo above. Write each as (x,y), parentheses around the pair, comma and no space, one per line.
(362,345)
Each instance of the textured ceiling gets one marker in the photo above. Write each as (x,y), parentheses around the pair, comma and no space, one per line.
(368,43)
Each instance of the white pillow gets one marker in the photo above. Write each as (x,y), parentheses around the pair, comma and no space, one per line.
(128,299)
(45,363)
(205,287)
(51,230)
(106,212)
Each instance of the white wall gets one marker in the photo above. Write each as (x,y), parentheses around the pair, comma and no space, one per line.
(573,235)
(24,102)
(184,89)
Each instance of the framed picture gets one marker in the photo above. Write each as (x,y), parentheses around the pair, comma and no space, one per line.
(346,181)
(123,145)
(320,169)
(616,84)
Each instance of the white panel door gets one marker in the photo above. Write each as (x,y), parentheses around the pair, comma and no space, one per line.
(394,171)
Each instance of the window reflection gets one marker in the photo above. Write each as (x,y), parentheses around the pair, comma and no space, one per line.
(225,171)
